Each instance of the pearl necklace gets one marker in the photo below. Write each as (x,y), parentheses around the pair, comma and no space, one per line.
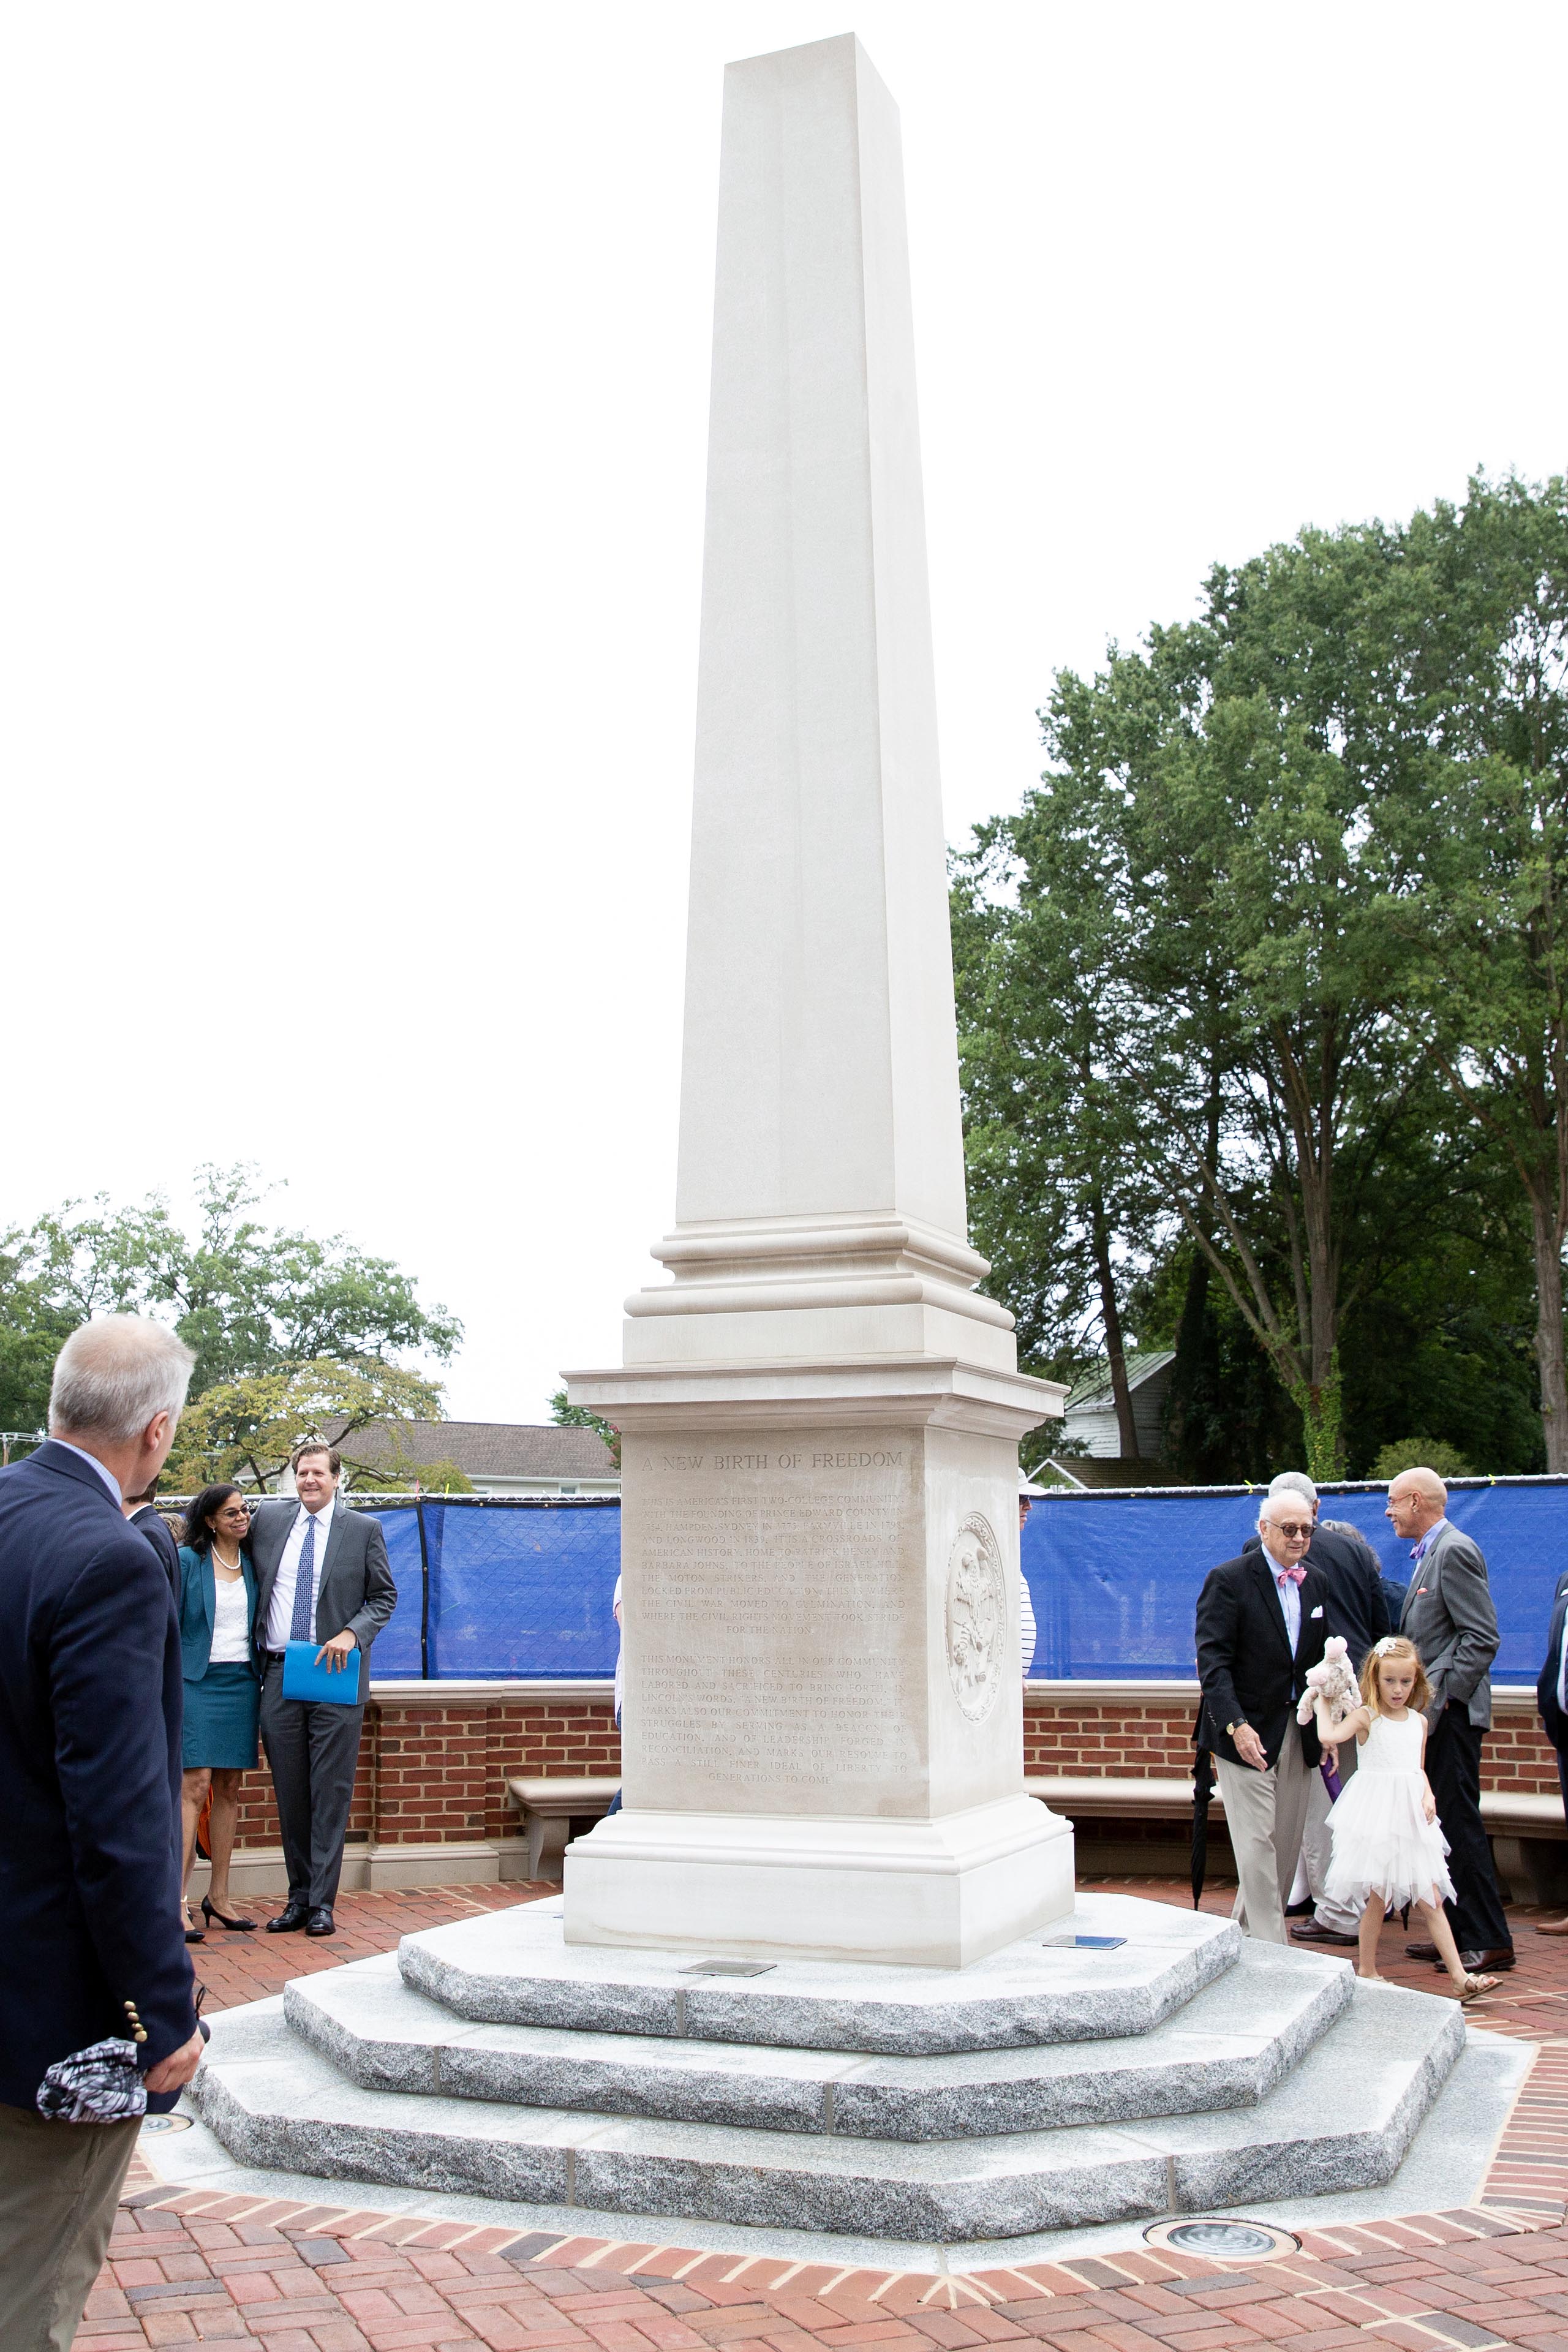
(229,1567)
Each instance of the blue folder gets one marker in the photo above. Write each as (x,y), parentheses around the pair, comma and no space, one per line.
(303,1678)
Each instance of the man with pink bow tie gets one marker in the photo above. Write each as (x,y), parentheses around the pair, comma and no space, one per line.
(1259,1627)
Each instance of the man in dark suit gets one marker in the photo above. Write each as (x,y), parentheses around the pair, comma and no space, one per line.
(141,1512)
(321,1576)
(1552,1698)
(1354,1608)
(1259,1626)
(1449,1616)
(93,1945)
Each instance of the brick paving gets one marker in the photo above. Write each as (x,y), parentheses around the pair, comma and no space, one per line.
(251,1967)
(190,2267)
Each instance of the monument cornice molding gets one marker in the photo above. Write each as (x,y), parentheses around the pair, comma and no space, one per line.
(874,1391)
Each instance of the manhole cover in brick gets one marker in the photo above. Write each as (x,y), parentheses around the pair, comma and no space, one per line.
(1223,2241)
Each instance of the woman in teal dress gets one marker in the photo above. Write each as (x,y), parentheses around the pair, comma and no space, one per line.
(217,1612)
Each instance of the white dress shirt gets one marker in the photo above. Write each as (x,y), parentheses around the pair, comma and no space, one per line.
(1290,1593)
(280,1613)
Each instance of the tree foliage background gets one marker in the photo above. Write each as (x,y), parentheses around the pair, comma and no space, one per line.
(292,1335)
(1262,1003)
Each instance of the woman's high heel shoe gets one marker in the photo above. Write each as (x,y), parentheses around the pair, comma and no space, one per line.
(194,1935)
(209,1914)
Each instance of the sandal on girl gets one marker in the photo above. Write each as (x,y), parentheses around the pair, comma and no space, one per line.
(1473,1985)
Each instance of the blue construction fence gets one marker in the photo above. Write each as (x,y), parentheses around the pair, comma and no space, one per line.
(1115,1577)
(491,1587)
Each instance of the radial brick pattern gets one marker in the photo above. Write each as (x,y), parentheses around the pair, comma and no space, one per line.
(192,2267)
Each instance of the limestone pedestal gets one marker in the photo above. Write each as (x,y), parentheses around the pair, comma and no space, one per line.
(823,1735)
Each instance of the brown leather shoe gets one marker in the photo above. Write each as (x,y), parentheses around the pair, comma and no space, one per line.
(1476,1963)
(1552,1926)
(1422,1952)
(1313,1931)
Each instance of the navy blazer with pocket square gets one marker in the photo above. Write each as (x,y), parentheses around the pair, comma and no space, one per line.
(91,1711)
(1248,1671)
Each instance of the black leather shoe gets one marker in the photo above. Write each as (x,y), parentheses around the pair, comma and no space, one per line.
(1313,1931)
(1299,1910)
(288,1920)
(1421,1951)
(321,1921)
(1476,1963)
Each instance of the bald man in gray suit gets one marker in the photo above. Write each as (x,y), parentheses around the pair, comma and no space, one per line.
(1449,1615)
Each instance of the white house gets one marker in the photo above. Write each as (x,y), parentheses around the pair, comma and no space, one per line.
(1091,1413)
(501,1457)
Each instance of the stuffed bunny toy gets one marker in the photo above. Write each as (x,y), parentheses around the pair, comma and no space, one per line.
(1332,1688)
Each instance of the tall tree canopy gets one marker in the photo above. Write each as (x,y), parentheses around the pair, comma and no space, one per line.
(1224,980)
(254,1300)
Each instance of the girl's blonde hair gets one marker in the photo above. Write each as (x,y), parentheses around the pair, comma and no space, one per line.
(1395,1646)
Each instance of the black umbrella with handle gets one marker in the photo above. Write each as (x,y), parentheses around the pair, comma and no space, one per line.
(1202,1792)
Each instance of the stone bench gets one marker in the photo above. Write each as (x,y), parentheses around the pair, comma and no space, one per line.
(1530,1839)
(550,1809)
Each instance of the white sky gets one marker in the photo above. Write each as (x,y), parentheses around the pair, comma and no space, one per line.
(352,431)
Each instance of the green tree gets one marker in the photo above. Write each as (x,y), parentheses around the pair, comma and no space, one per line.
(1484,908)
(1057,1199)
(247,1296)
(247,1429)
(577,1416)
(1204,835)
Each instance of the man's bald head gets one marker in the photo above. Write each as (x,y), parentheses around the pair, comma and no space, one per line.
(1417,1500)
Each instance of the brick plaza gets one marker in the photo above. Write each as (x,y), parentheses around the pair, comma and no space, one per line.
(191,2267)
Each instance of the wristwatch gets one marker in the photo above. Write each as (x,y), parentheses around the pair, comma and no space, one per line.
(1232,1728)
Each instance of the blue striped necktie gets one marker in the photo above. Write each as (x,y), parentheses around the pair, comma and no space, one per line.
(300,1624)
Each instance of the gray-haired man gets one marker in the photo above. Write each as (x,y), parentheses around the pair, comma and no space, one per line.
(1354,1608)
(92,1944)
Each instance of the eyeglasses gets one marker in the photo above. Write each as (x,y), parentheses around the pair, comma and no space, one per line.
(1294,1527)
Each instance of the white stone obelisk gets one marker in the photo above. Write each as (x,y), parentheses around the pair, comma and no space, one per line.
(820,1417)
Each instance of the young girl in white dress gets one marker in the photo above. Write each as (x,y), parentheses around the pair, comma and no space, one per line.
(1388,1846)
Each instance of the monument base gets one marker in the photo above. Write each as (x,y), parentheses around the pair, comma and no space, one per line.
(930,1893)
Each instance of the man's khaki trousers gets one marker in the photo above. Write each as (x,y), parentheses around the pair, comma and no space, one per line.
(1265,1813)
(59,2184)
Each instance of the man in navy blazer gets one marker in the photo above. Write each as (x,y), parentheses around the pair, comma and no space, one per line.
(1260,1625)
(91,1939)
(1552,1698)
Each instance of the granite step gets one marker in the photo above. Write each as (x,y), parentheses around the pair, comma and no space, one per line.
(515,1968)
(1226,2048)
(1342,2119)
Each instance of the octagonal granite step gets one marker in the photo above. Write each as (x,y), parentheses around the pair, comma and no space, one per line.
(1226,2048)
(1341,2119)
(514,1968)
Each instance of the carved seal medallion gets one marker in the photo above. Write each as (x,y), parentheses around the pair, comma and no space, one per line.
(976,1617)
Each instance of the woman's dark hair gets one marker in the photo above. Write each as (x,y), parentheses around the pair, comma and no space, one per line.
(210,1499)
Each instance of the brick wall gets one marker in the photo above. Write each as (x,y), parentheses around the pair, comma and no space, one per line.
(1139,1739)
(432,1775)
(436,1773)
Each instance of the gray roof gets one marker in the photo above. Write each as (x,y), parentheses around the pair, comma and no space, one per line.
(487,1449)
(1092,1393)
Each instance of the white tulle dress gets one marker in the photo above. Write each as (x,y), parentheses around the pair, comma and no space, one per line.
(1381,1837)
